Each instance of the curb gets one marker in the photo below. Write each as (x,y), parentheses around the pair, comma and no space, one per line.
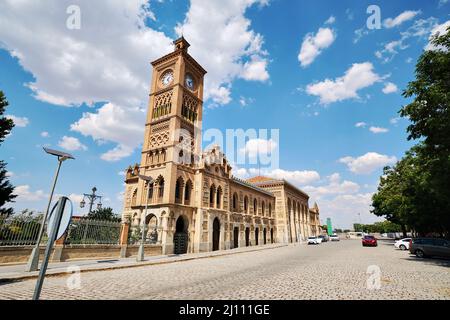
(134,264)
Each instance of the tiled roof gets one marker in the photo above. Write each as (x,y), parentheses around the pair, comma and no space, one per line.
(261,181)
(251,185)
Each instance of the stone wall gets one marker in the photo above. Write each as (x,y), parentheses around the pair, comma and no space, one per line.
(19,255)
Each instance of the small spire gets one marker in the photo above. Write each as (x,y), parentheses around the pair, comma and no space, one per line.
(181,44)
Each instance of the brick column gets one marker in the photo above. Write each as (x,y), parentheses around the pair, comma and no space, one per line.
(58,249)
(123,240)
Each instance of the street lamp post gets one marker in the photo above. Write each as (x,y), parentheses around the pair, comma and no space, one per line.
(91,197)
(33,261)
(141,254)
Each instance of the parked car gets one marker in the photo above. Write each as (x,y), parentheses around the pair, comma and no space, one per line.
(369,241)
(314,240)
(334,237)
(402,244)
(430,247)
(324,238)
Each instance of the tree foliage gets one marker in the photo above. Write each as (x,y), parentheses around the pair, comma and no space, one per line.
(415,193)
(6,189)
(378,227)
(104,214)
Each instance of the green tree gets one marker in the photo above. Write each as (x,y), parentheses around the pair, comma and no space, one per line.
(105,214)
(416,191)
(429,114)
(6,189)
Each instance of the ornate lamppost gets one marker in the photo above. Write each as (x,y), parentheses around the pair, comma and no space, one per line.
(91,198)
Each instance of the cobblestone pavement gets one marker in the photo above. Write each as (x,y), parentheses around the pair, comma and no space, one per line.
(333,270)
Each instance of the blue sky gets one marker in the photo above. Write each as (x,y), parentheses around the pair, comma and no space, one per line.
(311,69)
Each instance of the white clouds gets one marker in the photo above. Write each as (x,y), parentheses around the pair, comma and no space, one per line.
(119,152)
(313,45)
(421,28)
(127,124)
(45,134)
(367,163)
(402,17)
(71,144)
(335,186)
(394,121)
(243,101)
(75,198)
(390,88)
(107,60)
(21,122)
(359,33)
(344,209)
(438,29)
(255,69)
(377,130)
(24,193)
(330,20)
(296,177)
(256,147)
(372,129)
(359,76)
(228,51)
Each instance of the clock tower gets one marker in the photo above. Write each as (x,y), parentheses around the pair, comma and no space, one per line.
(172,140)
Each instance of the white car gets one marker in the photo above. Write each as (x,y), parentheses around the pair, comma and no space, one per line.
(402,244)
(334,237)
(314,240)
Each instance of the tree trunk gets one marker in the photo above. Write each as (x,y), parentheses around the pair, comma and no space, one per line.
(404,231)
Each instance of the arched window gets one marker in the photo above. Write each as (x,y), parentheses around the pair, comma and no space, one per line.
(246,204)
(134,198)
(235,202)
(179,190)
(263,208)
(150,192)
(212,194)
(160,188)
(187,193)
(255,206)
(219,198)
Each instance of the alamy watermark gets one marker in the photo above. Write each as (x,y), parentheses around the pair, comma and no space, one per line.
(374,280)
(74,280)
(250,147)
(73,21)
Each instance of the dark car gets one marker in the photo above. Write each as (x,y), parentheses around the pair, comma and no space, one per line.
(324,238)
(369,241)
(430,247)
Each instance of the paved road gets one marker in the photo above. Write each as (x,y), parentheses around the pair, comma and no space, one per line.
(328,271)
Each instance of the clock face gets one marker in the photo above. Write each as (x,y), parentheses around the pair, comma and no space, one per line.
(189,82)
(167,78)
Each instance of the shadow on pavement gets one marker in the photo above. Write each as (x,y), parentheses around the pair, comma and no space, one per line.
(437,261)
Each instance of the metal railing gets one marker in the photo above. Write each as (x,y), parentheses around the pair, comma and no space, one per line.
(20,231)
(135,234)
(86,231)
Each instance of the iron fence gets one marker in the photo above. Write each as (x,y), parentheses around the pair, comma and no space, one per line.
(20,231)
(86,231)
(135,234)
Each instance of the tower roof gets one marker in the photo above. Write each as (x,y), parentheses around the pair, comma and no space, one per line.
(181,44)
(181,48)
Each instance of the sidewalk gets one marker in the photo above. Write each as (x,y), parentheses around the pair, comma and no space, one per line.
(17,272)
